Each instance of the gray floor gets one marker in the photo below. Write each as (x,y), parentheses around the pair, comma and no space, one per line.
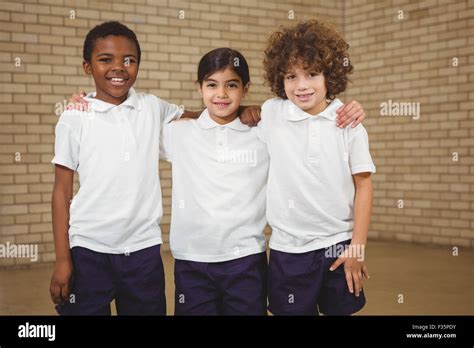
(431,280)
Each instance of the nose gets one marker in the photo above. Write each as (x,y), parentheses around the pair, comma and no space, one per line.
(221,93)
(119,65)
(302,84)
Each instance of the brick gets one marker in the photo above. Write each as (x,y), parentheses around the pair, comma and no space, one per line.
(13,209)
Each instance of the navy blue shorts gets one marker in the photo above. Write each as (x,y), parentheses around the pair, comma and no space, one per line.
(301,284)
(235,287)
(136,281)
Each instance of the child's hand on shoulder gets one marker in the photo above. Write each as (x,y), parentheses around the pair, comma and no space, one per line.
(77,102)
(351,112)
(354,268)
(250,115)
(61,281)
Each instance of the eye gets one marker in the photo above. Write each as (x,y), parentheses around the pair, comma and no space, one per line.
(313,74)
(106,60)
(210,85)
(232,85)
(290,77)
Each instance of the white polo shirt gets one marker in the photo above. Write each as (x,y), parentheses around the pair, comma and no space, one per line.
(219,189)
(115,150)
(310,193)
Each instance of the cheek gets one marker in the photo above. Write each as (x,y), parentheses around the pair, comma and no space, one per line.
(322,85)
(287,87)
(206,95)
(133,71)
(237,96)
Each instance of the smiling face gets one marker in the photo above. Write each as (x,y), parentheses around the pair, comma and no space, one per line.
(114,66)
(306,89)
(222,93)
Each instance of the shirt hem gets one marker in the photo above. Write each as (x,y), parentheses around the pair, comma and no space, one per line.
(312,246)
(218,258)
(124,250)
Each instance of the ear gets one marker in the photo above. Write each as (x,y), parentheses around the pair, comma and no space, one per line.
(246,88)
(87,67)
(199,88)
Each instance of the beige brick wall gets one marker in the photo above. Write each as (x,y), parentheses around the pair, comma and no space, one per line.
(402,60)
(408,57)
(49,44)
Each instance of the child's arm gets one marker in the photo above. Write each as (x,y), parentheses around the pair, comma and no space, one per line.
(362,207)
(62,195)
(351,112)
(249,114)
(353,257)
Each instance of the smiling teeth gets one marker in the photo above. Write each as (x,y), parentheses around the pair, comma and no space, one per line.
(115,79)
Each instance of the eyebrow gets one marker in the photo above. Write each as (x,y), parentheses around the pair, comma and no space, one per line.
(233,80)
(111,55)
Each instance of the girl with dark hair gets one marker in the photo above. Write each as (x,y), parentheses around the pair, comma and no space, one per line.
(219,174)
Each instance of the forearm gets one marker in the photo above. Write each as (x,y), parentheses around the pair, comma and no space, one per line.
(362,210)
(60,209)
(196,114)
(191,114)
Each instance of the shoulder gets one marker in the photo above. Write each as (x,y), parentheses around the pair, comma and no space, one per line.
(151,99)
(272,107)
(72,118)
(182,124)
(274,103)
(356,132)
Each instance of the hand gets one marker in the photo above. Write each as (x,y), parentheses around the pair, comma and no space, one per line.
(250,115)
(60,282)
(354,269)
(77,102)
(351,112)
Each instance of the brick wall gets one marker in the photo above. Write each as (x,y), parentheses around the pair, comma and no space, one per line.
(49,42)
(425,54)
(402,60)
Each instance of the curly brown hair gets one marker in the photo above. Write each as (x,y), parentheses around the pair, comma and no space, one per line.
(316,45)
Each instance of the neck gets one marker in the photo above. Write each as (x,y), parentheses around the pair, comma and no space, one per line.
(319,108)
(111,99)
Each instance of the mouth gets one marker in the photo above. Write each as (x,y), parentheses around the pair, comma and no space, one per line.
(304,97)
(118,81)
(221,105)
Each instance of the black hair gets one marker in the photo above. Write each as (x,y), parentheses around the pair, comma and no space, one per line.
(221,58)
(106,29)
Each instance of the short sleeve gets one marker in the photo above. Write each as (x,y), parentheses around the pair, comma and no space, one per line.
(67,143)
(360,160)
(165,142)
(169,112)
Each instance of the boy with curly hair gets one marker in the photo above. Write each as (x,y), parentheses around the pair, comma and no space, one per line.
(319,192)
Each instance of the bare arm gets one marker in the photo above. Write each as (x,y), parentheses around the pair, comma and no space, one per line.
(62,195)
(353,258)
(249,114)
(362,207)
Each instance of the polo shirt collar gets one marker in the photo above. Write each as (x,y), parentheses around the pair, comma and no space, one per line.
(102,106)
(296,114)
(206,122)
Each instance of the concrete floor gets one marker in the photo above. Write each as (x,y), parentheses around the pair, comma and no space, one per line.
(431,280)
